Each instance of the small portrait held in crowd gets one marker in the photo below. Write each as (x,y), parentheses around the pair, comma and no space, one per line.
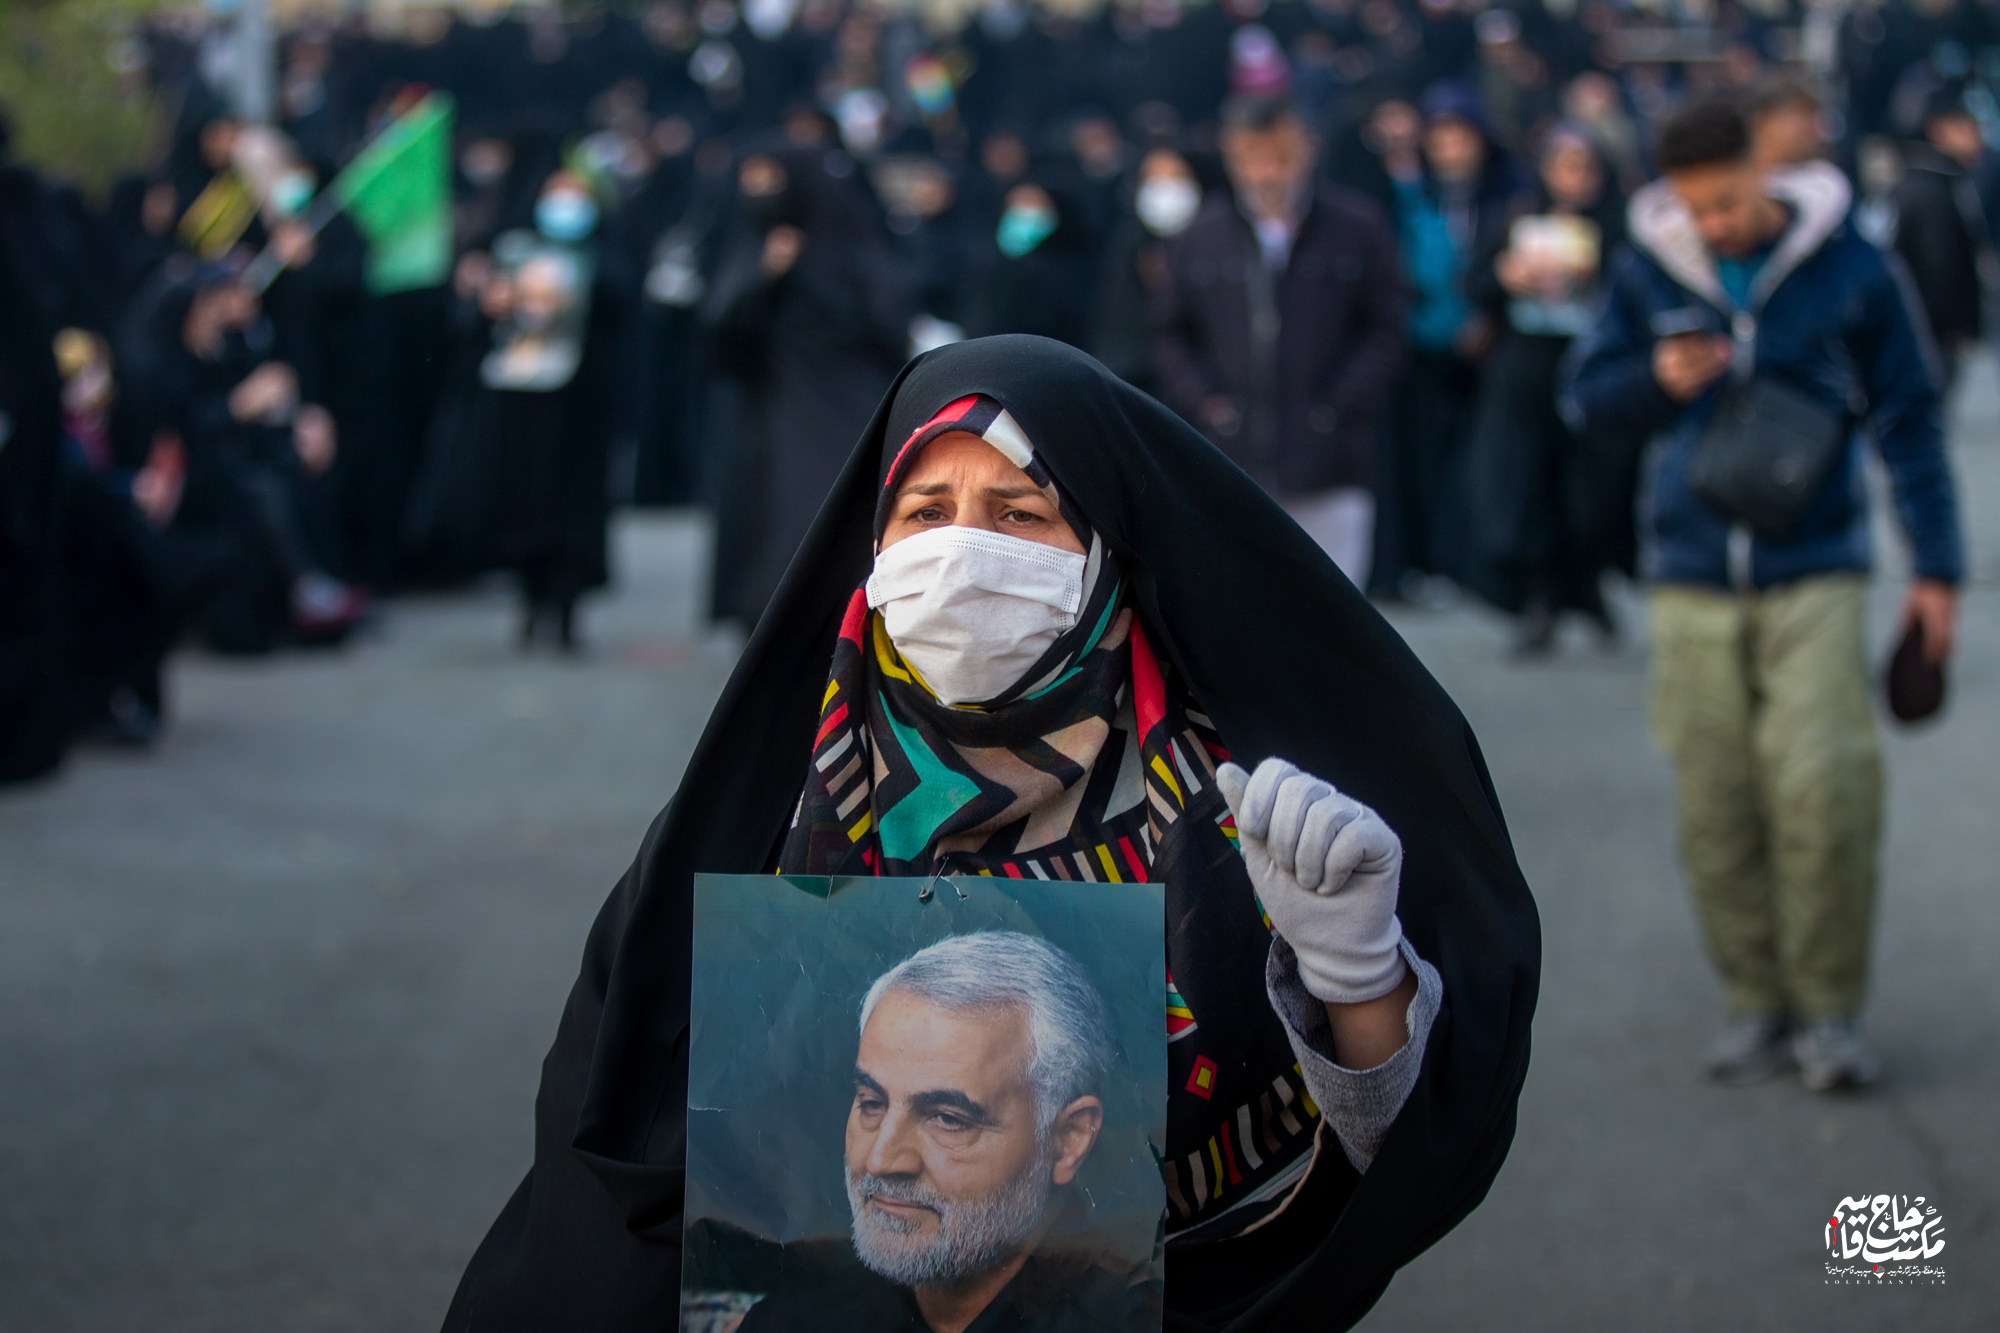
(538,294)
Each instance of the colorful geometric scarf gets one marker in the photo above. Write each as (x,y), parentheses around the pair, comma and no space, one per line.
(1083,779)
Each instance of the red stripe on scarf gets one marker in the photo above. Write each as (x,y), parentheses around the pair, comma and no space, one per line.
(856,619)
(951,411)
(1149,691)
(1132,859)
(831,722)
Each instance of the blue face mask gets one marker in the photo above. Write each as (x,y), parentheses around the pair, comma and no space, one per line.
(291,192)
(565,215)
(1024,227)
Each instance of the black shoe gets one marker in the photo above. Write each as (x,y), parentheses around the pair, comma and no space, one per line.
(1609,635)
(1535,635)
(127,722)
(1753,1048)
(566,635)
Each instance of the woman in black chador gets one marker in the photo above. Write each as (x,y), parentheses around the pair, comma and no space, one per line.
(810,316)
(545,402)
(1042,628)
(1551,505)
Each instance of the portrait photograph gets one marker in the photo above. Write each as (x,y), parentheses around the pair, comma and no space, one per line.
(911,1101)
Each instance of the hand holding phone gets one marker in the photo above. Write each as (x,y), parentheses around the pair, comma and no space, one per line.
(1687,363)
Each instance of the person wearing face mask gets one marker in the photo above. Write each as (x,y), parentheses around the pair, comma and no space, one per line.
(1039,275)
(542,415)
(318,308)
(1278,328)
(1163,200)
(1013,644)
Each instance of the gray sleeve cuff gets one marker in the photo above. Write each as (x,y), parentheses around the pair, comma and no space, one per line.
(1360,1104)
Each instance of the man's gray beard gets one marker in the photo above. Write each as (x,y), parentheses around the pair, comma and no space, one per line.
(971,1237)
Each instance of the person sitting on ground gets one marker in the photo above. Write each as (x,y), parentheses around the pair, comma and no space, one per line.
(201,349)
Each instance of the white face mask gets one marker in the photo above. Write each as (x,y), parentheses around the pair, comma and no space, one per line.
(1166,204)
(972,610)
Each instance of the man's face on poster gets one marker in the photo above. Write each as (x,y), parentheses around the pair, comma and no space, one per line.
(949,1163)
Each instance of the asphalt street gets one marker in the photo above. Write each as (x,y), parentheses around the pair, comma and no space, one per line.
(273,996)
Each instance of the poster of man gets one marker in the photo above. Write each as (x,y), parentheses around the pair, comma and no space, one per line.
(541,291)
(946,1118)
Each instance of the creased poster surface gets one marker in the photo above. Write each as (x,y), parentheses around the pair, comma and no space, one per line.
(988,1131)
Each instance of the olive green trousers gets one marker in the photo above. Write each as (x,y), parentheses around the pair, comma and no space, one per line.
(1761,701)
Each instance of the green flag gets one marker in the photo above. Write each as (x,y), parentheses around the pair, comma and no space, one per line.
(398,190)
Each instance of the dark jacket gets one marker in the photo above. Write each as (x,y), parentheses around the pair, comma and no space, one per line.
(1831,319)
(1940,230)
(1307,392)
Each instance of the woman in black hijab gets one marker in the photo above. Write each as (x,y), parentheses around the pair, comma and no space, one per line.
(809,313)
(1041,272)
(1543,531)
(1205,626)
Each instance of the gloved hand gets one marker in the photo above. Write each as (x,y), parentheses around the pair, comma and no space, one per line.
(1327,870)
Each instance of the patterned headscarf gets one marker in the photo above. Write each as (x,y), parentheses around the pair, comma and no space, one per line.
(1045,781)
(1050,781)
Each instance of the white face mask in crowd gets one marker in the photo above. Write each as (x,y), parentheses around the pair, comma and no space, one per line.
(1167,204)
(973,610)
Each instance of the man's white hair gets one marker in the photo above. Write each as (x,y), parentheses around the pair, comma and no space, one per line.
(1068,1026)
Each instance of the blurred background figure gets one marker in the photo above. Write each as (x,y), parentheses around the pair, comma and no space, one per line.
(203,362)
(1280,328)
(1040,274)
(1760,690)
(1787,122)
(131,577)
(1457,187)
(809,317)
(540,416)
(1544,500)
(1165,195)
(1941,229)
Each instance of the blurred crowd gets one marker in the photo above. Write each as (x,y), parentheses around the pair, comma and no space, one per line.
(693,244)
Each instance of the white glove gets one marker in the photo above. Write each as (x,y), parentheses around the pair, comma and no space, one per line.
(1327,870)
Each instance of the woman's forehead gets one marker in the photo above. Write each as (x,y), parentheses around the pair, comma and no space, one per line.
(961,455)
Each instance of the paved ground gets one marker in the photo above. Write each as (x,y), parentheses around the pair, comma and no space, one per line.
(272,998)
